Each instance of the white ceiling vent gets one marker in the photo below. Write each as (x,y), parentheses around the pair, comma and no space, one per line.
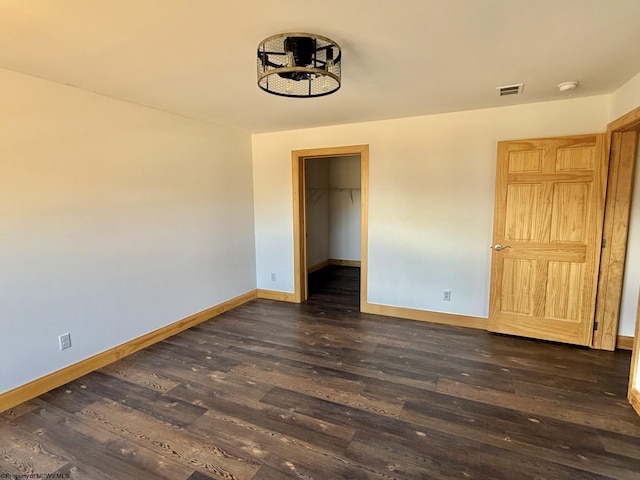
(510,90)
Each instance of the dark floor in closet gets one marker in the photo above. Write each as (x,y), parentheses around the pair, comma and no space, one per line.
(335,284)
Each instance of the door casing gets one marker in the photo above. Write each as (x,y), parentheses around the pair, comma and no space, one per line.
(298,158)
(622,144)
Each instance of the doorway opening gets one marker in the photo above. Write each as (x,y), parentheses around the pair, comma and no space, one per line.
(332,208)
(330,199)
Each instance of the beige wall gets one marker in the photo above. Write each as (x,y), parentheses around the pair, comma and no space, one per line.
(345,205)
(431,197)
(333,209)
(625,98)
(115,220)
(318,213)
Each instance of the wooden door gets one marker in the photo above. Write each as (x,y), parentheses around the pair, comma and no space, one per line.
(547,236)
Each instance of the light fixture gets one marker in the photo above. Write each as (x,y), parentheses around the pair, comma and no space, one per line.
(299,65)
(567,86)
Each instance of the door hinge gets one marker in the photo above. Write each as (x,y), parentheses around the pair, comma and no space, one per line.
(612,154)
(604,243)
(595,326)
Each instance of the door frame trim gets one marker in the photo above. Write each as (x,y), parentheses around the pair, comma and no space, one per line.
(298,158)
(622,136)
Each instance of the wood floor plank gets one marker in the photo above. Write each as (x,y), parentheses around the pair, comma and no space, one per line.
(255,442)
(203,358)
(511,425)
(425,443)
(622,445)
(139,375)
(580,399)
(404,463)
(267,472)
(312,387)
(166,440)
(434,455)
(300,457)
(115,445)
(17,411)
(625,423)
(71,397)
(517,432)
(354,368)
(275,390)
(199,476)
(273,360)
(79,450)
(449,366)
(278,420)
(203,396)
(24,453)
(166,409)
(216,380)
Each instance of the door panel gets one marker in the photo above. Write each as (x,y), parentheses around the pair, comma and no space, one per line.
(522,213)
(563,302)
(518,278)
(548,225)
(568,218)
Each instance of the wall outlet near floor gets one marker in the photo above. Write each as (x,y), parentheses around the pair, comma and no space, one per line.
(446,295)
(65,341)
(273,276)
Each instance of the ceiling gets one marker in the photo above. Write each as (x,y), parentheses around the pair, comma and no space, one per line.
(197,58)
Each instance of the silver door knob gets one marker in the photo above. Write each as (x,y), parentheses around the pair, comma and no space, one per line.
(498,247)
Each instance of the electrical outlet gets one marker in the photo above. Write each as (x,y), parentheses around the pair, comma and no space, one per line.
(446,295)
(273,276)
(65,341)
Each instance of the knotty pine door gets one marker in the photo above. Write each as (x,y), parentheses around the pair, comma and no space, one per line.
(547,235)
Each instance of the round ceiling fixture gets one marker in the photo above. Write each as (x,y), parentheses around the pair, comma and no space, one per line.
(300,65)
(567,86)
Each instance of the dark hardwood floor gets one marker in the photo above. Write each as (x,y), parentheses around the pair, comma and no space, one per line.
(319,391)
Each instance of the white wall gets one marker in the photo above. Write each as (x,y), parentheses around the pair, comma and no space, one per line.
(115,220)
(332,209)
(430,202)
(318,222)
(345,206)
(625,99)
